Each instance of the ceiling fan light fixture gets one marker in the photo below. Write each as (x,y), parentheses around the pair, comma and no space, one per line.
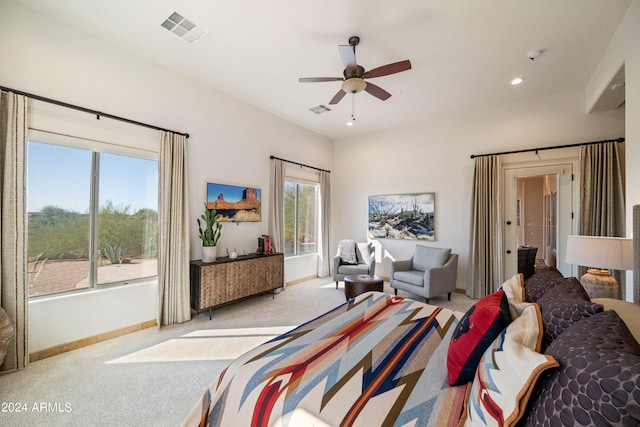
(354,85)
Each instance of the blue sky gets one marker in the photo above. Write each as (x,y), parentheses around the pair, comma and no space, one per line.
(60,176)
(231,193)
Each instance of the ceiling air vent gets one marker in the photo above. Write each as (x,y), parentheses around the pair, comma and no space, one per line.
(184,28)
(319,109)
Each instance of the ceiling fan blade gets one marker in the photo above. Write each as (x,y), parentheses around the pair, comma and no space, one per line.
(319,79)
(348,56)
(385,70)
(337,97)
(377,91)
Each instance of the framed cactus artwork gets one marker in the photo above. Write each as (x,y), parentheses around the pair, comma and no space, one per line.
(403,216)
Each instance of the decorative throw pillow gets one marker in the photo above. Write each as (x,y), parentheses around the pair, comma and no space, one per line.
(563,305)
(475,332)
(567,287)
(598,382)
(558,315)
(514,290)
(362,253)
(627,311)
(541,282)
(507,374)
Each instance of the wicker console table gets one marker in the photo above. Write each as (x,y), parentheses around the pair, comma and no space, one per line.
(230,279)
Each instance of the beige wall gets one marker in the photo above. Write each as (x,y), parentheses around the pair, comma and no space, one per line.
(230,143)
(435,156)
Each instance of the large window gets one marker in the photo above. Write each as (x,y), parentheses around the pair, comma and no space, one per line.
(92,217)
(300,218)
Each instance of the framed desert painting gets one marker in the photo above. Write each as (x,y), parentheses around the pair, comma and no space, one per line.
(403,216)
(234,203)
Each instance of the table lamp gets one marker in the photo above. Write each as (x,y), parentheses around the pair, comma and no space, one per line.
(600,254)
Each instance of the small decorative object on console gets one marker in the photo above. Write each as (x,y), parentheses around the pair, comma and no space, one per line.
(267,249)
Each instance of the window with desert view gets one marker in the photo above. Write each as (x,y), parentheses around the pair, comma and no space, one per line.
(92,218)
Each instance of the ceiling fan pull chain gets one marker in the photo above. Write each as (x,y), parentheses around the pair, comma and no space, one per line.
(353,106)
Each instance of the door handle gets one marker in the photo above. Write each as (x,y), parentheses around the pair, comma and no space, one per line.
(508,251)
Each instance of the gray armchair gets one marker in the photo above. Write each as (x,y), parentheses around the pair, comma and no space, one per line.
(428,273)
(366,263)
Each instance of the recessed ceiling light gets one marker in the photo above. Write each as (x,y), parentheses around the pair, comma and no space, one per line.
(350,123)
(517,81)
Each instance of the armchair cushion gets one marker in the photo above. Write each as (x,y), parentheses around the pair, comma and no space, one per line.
(348,269)
(413,277)
(427,257)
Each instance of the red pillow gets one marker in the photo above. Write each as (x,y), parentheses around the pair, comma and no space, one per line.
(475,332)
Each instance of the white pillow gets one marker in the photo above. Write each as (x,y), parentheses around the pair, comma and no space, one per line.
(514,290)
(507,373)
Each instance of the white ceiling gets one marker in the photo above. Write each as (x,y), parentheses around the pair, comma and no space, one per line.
(464,52)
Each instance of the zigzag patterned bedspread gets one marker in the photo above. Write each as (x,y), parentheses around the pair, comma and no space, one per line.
(376,360)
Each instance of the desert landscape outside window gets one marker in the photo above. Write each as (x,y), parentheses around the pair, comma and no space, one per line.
(92,218)
(300,218)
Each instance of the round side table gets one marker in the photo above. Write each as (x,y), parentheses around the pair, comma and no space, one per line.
(356,284)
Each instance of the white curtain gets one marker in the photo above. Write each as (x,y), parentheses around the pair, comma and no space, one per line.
(324,250)
(173,231)
(484,273)
(602,211)
(276,206)
(13,229)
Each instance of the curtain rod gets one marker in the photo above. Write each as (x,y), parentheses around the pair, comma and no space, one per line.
(299,164)
(548,148)
(98,114)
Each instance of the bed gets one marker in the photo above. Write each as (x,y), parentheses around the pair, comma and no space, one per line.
(539,352)
(376,357)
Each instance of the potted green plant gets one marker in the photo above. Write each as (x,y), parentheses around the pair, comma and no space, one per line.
(210,234)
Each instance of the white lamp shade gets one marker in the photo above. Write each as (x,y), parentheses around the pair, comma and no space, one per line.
(354,85)
(609,253)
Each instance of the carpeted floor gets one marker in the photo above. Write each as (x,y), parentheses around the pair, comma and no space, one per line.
(155,376)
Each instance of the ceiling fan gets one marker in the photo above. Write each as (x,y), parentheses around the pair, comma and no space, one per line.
(355,75)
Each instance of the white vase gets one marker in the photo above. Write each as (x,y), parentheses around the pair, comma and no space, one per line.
(209,253)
